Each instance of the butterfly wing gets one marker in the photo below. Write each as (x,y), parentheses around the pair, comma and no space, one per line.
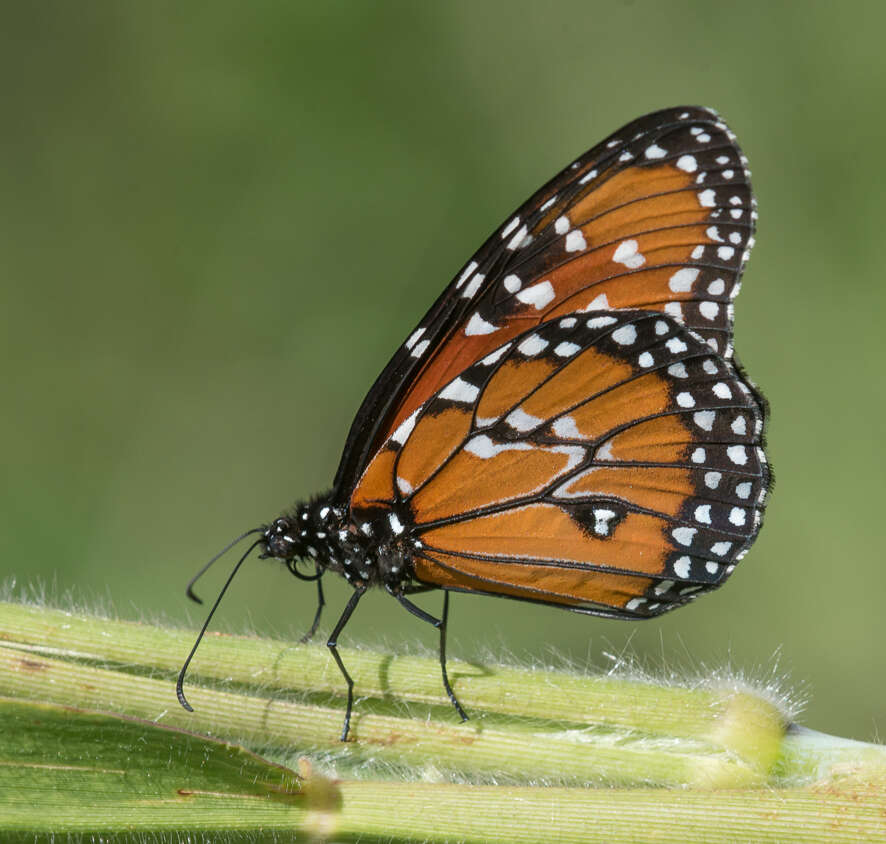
(659,216)
(609,462)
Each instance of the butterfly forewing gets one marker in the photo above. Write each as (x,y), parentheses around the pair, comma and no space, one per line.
(606,461)
(657,217)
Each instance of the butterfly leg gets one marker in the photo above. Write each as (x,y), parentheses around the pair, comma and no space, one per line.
(321,602)
(332,643)
(440,624)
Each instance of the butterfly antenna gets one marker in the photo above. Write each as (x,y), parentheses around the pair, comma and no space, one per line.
(189,590)
(181,675)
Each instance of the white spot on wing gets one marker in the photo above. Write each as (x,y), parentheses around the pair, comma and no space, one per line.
(478,325)
(562,224)
(460,390)
(512,283)
(575,453)
(682,280)
(663,587)
(709,310)
(675,310)
(517,240)
(678,370)
(538,295)
(625,335)
(510,227)
(565,427)
(602,518)
(414,337)
(604,451)
(676,345)
(684,535)
(404,429)
(482,446)
(627,253)
(465,273)
(705,419)
(566,349)
(494,357)
(687,163)
(655,151)
(420,348)
(532,345)
(473,285)
(598,303)
(575,241)
(520,420)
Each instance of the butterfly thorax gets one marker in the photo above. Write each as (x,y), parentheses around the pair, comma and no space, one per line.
(374,551)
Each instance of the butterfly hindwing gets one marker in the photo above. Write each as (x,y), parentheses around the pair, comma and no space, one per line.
(609,462)
(659,216)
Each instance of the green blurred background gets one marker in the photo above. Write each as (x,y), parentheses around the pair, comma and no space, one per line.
(218,220)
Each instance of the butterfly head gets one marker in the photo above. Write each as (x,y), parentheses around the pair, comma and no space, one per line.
(312,531)
(282,540)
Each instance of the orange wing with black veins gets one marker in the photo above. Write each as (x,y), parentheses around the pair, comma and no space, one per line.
(657,217)
(609,462)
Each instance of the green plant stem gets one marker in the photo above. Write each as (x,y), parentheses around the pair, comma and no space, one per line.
(744,726)
(69,771)
(476,748)
(577,816)
(814,787)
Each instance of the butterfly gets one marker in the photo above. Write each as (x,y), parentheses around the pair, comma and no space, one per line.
(568,424)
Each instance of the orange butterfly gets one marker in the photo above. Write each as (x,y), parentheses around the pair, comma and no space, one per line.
(568,424)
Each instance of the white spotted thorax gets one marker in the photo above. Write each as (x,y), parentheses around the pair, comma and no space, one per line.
(374,552)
